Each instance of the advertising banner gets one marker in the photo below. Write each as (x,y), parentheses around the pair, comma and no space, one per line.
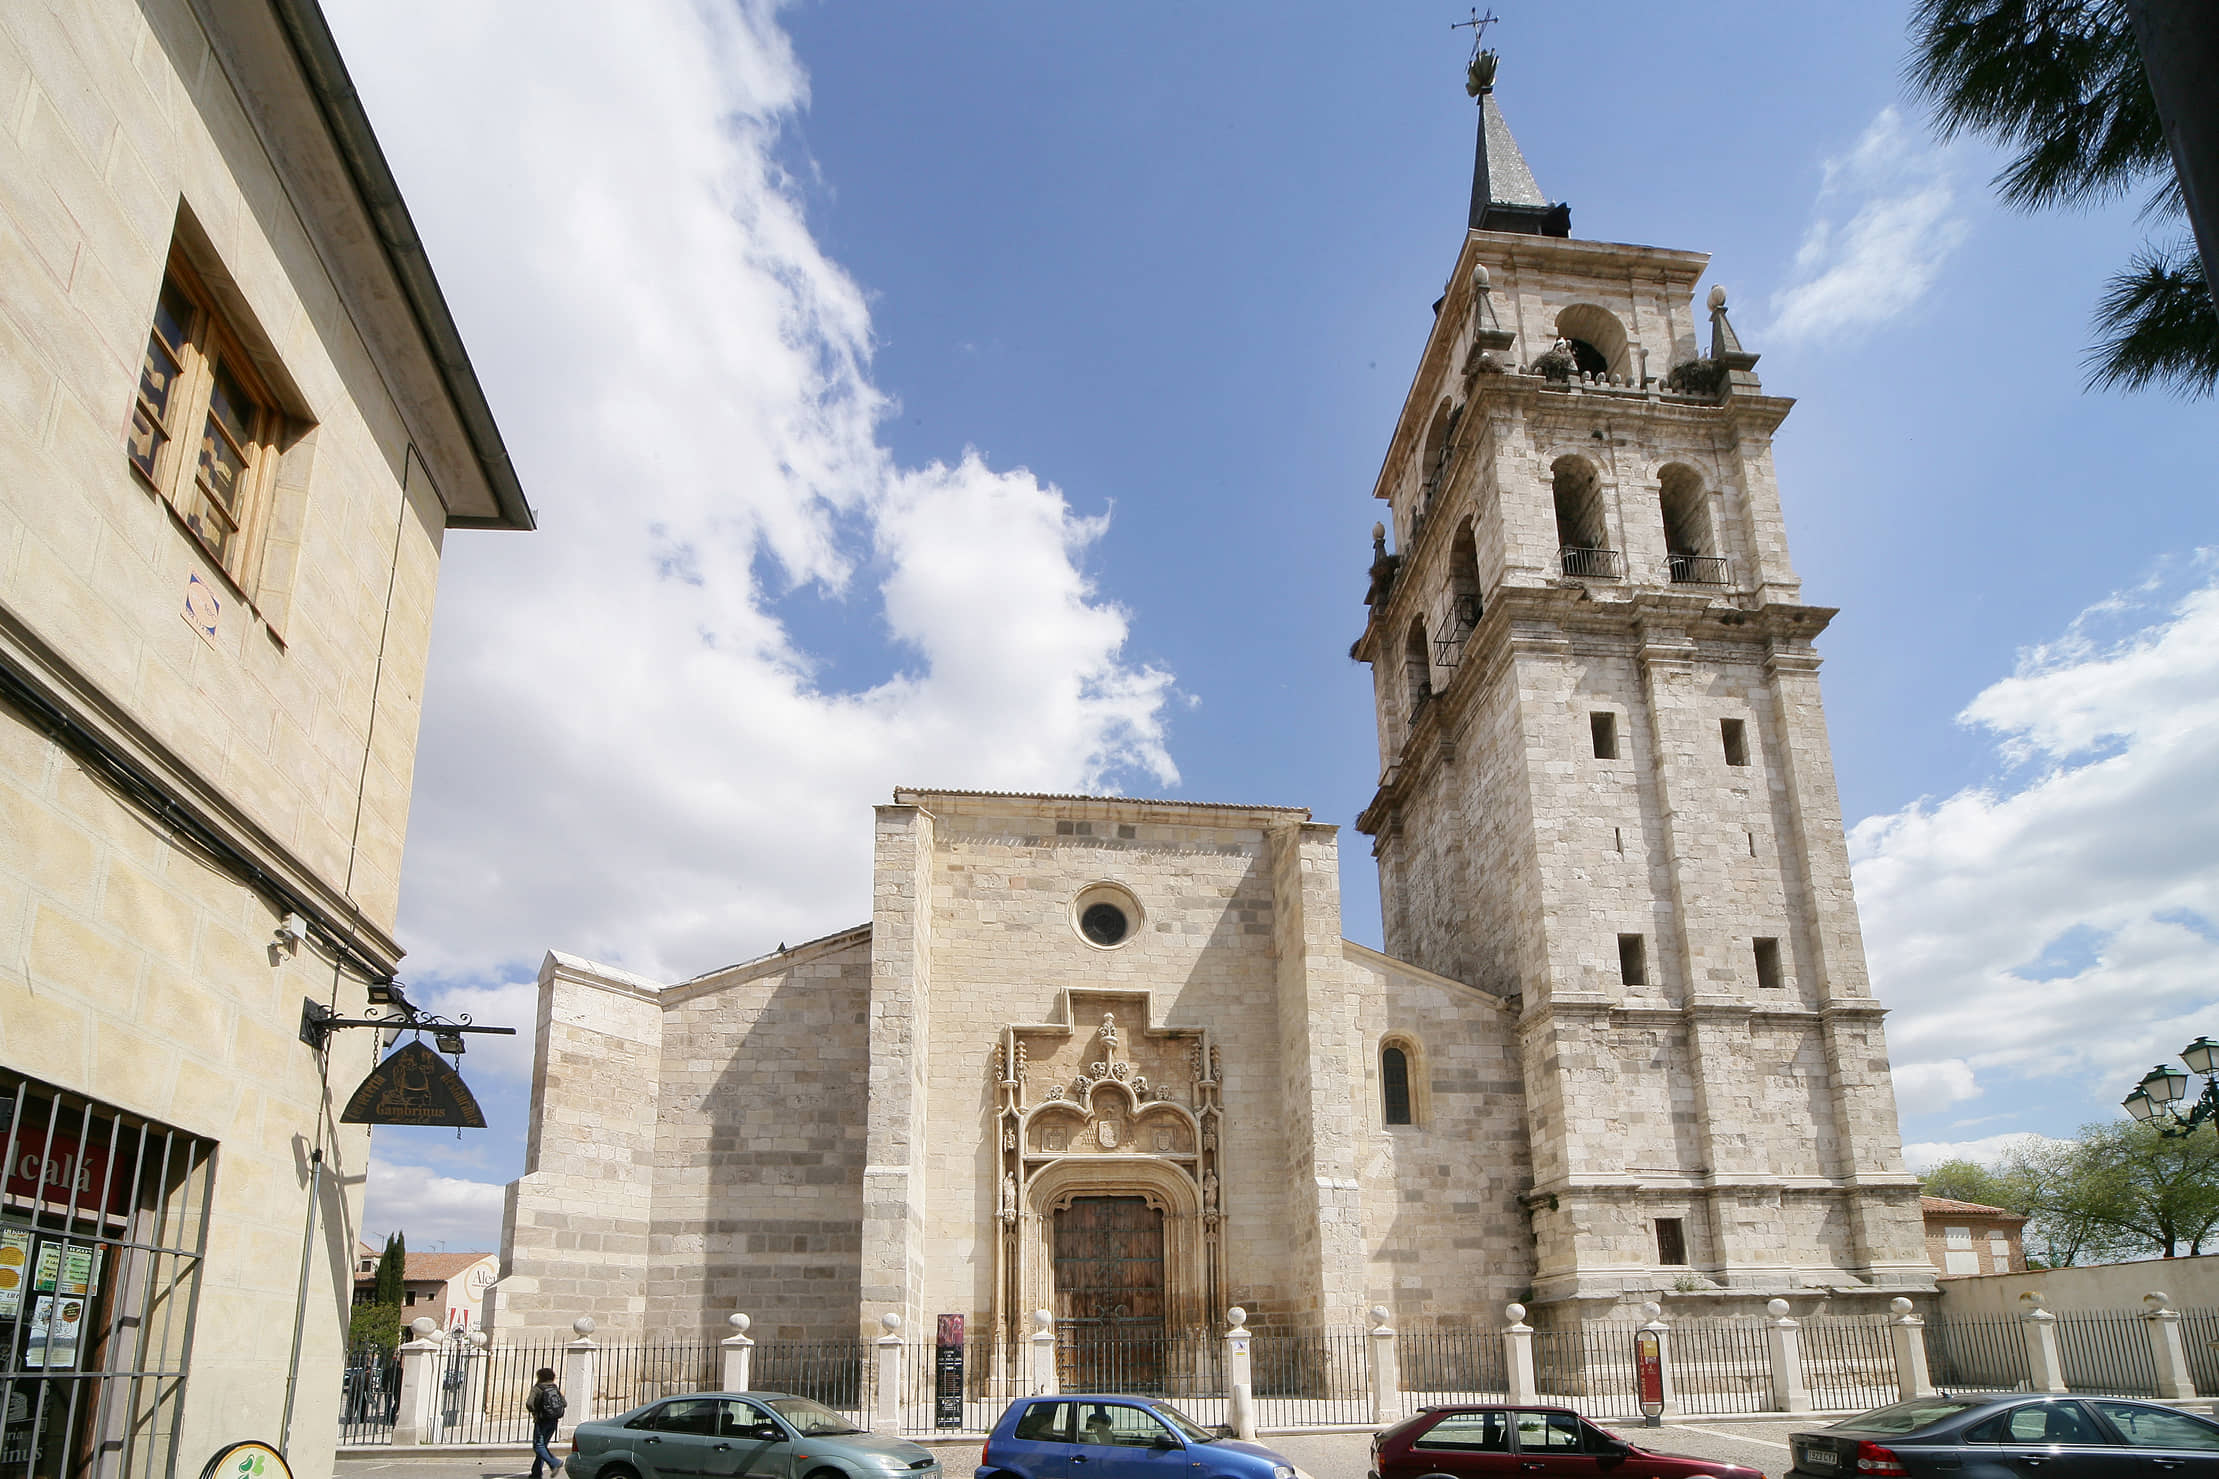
(1648,1369)
(947,1390)
(15,1270)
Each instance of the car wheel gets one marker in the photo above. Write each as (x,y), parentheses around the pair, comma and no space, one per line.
(614,1471)
(825,1474)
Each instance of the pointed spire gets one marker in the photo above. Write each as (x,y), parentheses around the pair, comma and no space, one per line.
(1505,196)
(1725,345)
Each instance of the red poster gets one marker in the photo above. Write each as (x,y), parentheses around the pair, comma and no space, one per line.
(1648,1369)
(57,1170)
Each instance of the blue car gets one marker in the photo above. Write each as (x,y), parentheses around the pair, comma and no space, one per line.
(1118,1437)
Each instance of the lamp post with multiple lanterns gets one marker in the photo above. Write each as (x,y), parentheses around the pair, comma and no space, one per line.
(2153,1099)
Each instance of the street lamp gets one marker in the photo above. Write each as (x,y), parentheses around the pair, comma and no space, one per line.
(2161,1088)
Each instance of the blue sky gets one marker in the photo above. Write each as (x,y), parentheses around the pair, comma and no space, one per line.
(991,395)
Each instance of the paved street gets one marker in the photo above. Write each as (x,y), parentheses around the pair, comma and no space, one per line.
(1758,1442)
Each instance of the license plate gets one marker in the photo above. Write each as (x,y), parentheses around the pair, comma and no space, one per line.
(1821,1458)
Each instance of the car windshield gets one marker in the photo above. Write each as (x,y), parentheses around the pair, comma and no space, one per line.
(1186,1427)
(811,1419)
(1907,1417)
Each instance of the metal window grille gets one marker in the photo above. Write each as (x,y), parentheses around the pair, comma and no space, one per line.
(103,1224)
(1695,569)
(1592,564)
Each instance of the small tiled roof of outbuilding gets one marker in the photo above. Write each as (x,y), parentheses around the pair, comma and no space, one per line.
(432,1268)
(1949,1207)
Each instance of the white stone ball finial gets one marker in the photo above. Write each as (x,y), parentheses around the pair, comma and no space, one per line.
(1515,1312)
(2158,1299)
(1043,1319)
(1900,1305)
(1480,279)
(423,1325)
(890,1322)
(478,1339)
(1650,1309)
(1776,1308)
(1717,298)
(1378,531)
(583,1325)
(1379,1314)
(1236,1317)
(739,1323)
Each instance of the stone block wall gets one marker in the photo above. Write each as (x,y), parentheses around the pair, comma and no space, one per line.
(759,1148)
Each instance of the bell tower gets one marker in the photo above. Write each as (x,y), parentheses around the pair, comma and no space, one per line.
(1605,784)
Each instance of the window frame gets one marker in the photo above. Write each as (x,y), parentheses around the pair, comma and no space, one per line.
(1733,738)
(1602,733)
(209,351)
(1633,960)
(1677,1234)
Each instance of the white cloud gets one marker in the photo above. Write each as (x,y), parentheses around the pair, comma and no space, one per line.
(2064,920)
(625,752)
(1885,221)
(1986,1151)
(1921,1088)
(431,1209)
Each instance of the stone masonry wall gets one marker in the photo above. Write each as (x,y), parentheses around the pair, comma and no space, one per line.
(759,1147)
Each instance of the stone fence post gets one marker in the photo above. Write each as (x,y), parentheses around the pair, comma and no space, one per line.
(886,1413)
(1784,1345)
(1517,1356)
(581,1372)
(418,1411)
(1386,1385)
(738,1355)
(2167,1350)
(1239,1391)
(1908,1332)
(2045,1369)
(1043,1342)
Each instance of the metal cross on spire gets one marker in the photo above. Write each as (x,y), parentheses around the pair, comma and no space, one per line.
(1479,72)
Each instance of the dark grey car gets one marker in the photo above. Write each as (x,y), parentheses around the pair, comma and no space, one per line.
(2012,1436)
(761,1435)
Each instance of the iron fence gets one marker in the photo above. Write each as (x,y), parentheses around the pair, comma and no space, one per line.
(836,1373)
(1437,1366)
(2108,1352)
(1592,564)
(1695,569)
(1718,1366)
(1977,1353)
(1317,1380)
(369,1392)
(1590,1369)
(975,1389)
(2199,1337)
(1848,1362)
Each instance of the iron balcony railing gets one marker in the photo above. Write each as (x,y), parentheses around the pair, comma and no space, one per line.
(1592,564)
(1695,569)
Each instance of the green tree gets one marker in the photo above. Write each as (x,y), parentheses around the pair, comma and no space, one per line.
(392,1276)
(2147,1192)
(2060,83)
(1969,1181)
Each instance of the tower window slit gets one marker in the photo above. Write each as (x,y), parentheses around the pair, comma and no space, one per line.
(1752,842)
(1768,963)
(1394,1082)
(1633,960)
(1671,1240)
(1603,729)
(1735,736)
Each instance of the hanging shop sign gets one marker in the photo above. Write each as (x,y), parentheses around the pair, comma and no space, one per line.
(1648,1369)
(249,1460)
(414,1087)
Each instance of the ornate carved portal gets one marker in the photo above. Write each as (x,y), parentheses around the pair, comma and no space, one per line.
(1109,1113)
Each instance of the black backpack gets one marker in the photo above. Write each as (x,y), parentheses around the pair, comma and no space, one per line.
(548,1401)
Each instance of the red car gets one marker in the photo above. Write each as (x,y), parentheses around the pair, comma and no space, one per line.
(1459,1441)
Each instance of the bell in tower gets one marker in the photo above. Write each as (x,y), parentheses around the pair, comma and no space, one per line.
(1605,784)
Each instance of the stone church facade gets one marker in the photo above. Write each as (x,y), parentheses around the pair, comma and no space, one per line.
(1113,1058)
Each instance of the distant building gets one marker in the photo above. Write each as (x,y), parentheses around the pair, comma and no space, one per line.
(1968,1238)
(449,1287)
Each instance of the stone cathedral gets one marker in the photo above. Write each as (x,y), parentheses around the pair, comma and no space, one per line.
(1113,1058)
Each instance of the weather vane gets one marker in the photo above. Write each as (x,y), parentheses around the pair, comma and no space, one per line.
(1479,72)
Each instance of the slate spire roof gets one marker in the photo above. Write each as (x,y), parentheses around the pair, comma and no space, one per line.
(1505,196)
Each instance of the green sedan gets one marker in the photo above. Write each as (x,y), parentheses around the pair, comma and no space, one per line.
(762,1435)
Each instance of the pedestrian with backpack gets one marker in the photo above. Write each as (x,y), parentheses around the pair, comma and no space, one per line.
(546,1406)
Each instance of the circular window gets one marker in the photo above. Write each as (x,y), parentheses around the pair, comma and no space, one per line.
(1104,924)
(1106,915)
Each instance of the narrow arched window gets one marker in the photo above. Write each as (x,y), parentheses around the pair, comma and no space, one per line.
(1394,1080)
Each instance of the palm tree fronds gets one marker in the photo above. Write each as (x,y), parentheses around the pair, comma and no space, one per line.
(2159,326)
